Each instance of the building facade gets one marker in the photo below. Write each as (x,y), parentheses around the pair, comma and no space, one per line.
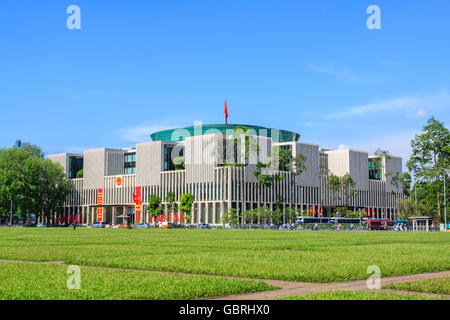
(216,164)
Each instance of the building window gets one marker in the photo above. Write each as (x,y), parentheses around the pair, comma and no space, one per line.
(75,165)
(375,168)
(285,161)
(168,163)
(130,163)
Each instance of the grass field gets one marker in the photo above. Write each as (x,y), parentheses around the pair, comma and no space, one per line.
(286,255)
(441,286)
(360,295)
(26,281)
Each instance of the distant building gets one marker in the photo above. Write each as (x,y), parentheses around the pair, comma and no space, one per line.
(19,144)
(115,174)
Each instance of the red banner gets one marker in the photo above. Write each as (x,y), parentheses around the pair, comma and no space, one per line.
(137,198)
(100,202)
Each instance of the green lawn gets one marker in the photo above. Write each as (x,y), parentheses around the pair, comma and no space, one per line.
(359,295)
(26,281)
(288,255)
(441,285)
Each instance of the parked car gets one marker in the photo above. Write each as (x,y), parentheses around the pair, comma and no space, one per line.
(99,225)
(165,225)
(203,226)
(30,225)
(143,226)
(120,226)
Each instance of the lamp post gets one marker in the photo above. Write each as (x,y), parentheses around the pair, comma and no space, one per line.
(445,201)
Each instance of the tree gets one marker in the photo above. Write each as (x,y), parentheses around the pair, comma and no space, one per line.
(154,206)
(171,203)
(79,174)
(344,184)
(402,181)
(296,167)
(230,217)
(280,162)
(185,207)
(276,165)
(34,150)
(348,185)
(355,214)
(431,156)
(178,163)
(334,185)
(243,146)
(276,216)
(31,184)
(406,208)
(262,214)
(14,190)
(291,214)
(53,189)
(340,211)
(424,196)
(380,156)
(249,216)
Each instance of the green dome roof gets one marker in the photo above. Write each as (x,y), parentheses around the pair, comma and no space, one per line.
(179,134)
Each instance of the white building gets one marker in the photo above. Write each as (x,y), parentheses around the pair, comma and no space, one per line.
(151,168)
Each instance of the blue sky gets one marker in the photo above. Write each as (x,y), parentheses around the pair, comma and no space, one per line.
(139,66)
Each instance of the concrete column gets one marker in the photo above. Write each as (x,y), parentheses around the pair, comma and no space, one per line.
(113,215)
(222,210)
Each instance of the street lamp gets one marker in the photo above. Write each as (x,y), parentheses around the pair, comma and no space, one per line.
(445,201)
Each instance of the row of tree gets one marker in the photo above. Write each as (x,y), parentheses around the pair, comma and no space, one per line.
(429,166)
(155,209)
(30,184)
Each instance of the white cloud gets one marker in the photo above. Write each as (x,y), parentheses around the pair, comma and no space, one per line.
(418,113)
(331,70)
(343,146)
(413,106)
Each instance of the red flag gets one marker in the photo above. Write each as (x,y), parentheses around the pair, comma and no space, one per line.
(226,112)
